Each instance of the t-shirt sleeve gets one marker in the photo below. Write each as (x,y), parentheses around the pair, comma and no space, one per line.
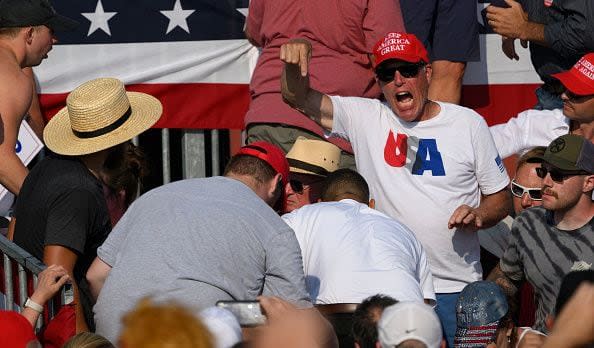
(490,170)
(254,21)
(284,270)
(350,114)
(511,262)
(70,218)
(382,17)
(425,276)
(108,251)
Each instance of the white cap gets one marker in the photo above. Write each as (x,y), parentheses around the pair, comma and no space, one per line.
(223,326)
(409,321)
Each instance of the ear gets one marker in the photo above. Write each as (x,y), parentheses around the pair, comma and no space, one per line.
(588,183)
(549,322)
(371,203)
(428,72)
(29,34)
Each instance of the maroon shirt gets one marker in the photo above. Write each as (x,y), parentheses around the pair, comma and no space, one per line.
(342,34)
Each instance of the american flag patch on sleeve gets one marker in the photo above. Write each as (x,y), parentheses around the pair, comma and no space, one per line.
(500,163)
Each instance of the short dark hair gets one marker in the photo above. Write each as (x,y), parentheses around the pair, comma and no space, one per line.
(569,285)
(252,166)
(366,317)
(343,182)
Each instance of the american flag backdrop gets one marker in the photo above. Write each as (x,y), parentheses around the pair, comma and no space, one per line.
(193,56)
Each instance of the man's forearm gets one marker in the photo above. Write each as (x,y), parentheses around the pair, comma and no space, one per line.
(493,208)
(534,32)
(500,278)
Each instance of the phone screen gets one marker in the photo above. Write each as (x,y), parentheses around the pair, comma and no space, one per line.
(248,313)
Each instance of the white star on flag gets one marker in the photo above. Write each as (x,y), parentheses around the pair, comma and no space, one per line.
(99,19)
(178,17)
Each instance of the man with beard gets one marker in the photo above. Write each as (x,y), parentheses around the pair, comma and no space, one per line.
(431,165)
(199,241)
(549,241)
(539,127)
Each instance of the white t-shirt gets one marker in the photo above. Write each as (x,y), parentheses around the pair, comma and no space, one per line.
(529,129)
(420,172)
(351,252)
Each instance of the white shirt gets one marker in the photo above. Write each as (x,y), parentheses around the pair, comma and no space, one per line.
(420,172)
(351,252)
(529,129)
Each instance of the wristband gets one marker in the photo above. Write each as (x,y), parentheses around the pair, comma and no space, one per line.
(34,305)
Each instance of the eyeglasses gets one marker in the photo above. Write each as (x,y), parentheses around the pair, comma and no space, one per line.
(296,186)
(385,73)
(557,174)
(576,97)
(518,190)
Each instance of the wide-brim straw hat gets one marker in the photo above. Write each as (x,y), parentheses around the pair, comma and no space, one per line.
(314,157)
(100,114)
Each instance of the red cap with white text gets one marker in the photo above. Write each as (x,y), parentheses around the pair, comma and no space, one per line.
(580,78)
(400,46)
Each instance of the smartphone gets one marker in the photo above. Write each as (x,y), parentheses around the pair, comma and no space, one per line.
(248,313)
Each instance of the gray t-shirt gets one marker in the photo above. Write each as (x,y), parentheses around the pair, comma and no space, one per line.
(543,254)
(198,241)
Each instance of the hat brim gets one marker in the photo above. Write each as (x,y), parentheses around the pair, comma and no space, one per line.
(61,23)
(303,171)
(59,138)
(573,83)
(402,58)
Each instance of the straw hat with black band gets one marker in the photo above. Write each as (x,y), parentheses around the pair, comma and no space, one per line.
(100,114)
(313,157)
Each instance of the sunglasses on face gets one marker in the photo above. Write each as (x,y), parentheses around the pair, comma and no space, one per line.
(557,174)
(518,190)
(386,73)
(296,186)
(576,97)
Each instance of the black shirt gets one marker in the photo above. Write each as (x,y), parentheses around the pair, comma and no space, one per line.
(62,203)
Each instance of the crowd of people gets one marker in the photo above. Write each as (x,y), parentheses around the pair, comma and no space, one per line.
(367,208)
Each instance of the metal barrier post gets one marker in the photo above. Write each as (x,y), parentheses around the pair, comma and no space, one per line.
(165,155)
(22,286)
(8,286)
(215,160)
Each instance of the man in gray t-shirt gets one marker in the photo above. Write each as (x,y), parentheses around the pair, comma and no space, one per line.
(550,241)
(199,241)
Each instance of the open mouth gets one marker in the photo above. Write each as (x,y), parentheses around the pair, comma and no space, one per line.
(404,97)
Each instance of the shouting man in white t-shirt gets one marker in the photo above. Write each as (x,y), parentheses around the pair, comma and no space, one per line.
(431,165)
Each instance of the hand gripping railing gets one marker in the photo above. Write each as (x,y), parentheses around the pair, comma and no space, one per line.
(26,265)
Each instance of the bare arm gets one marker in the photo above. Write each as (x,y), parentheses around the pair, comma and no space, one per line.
(16,93)
(49,283)
(509,287)
(59,255)
(492,209)
(96,276)
(295,84)
(35,116)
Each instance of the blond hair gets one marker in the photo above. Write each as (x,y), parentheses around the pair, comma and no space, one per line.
(152,325)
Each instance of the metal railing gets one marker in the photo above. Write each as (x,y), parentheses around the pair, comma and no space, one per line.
(26,266)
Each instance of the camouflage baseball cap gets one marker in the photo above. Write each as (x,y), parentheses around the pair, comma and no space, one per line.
(571,152)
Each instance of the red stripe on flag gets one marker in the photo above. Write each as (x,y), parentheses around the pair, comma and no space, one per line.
(498,103)
(185,105)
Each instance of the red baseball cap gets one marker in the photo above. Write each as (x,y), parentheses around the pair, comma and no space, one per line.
(270,154)
(16,331)
(401,46)
(580,78)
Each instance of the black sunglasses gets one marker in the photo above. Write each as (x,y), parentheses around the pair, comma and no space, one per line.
(385,73)
(518,190)
(296,186)
(576,97)
(557,174)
